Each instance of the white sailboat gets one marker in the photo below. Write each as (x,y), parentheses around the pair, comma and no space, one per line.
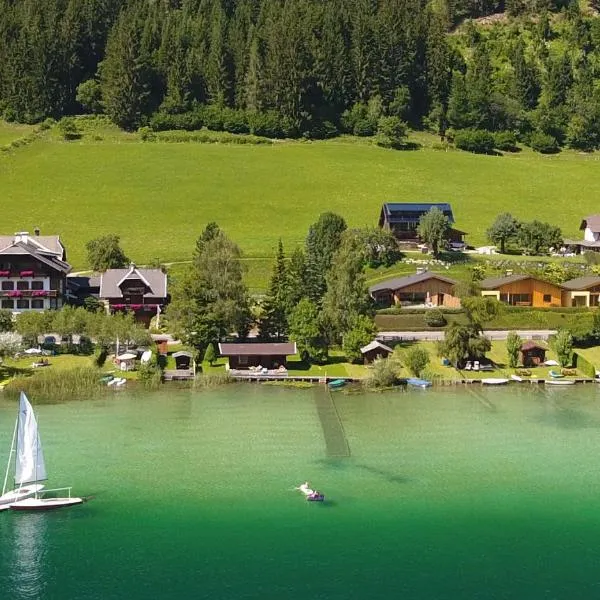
(29,458)
(31,467)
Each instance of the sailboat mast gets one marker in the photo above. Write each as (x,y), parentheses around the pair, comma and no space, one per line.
(12,449)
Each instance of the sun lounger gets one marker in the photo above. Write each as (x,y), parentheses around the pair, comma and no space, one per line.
(476,366)
(468,366)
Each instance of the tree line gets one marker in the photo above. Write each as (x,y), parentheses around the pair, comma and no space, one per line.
(318,297)
(305,67)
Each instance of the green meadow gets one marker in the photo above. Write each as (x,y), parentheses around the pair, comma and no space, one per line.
(158,196)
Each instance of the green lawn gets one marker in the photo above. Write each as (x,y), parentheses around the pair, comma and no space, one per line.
(159,196)
(13,131)
(23,366)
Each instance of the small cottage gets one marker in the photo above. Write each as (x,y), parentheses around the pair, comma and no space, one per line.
(269,355)
(375,350)
(426,288)
(532,354)
(183,359)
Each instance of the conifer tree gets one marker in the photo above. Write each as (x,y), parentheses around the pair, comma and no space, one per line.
(276,308)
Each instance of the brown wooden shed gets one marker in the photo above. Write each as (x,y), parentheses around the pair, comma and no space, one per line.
(532,354)
(375,350)
(270,355)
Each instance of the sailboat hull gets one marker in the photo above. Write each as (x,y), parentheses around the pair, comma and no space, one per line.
(44,503)
(20,494)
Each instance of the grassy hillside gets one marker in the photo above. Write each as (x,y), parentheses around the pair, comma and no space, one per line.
(158,196)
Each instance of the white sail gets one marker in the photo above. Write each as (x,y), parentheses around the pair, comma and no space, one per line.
(30,465)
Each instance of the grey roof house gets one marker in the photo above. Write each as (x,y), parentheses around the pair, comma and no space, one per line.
(142,291)
(33,271)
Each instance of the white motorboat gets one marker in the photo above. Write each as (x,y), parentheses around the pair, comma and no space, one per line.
(494,381)
(31,467)
(516,378)
(559,382)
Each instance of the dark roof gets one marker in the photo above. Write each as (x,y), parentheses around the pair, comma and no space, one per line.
(402,212)
(493,283)
(265,349)
(154,280)
(593,222)
(531,345)
(26,246)
(402,282)
(581,283)
(83,282)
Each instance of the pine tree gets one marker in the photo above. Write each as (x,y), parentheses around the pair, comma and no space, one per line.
(526,79)
(276,308)
(125,73)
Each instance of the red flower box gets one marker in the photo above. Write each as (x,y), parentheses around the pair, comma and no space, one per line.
(15,293)
(4,273)
(135,306)
(118,306)
(26,273)
(39,293)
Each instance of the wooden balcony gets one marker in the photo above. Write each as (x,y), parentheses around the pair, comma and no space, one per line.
(29,293)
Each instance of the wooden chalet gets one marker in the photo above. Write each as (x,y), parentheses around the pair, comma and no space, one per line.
(523,290)
(33,272)
(269,355)
(426,288)
(375,350)
(582,291)
(532,354)
(141,291)
(402,219)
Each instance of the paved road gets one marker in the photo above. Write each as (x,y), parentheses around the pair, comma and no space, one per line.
(536,334)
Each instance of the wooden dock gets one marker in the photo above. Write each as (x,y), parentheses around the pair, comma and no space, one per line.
(257,378)
(178,374)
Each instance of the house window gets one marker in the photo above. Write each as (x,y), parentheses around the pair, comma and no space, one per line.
(521,299)
(503,297)
(243,360)
(53,303)
(23,303)
(7,303)
(37,285)
(22,285)
(8,285)
(37,303)
(547,298)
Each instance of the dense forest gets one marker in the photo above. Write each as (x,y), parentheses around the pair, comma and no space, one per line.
(308,67)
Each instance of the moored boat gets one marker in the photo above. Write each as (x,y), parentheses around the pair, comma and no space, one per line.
(337,383)
(559,382)
(416,382)
(494,381)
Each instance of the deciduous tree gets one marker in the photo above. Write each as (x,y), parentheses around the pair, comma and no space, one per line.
(433,229)
(504,229)
(105,253)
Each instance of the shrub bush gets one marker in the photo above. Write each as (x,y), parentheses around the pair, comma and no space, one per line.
(543,143)
(434,318)
(364,128)
(68,129)
(474,140)
(235,121)
(505,141)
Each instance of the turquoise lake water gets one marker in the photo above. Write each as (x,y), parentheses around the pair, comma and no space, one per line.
(451,494)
